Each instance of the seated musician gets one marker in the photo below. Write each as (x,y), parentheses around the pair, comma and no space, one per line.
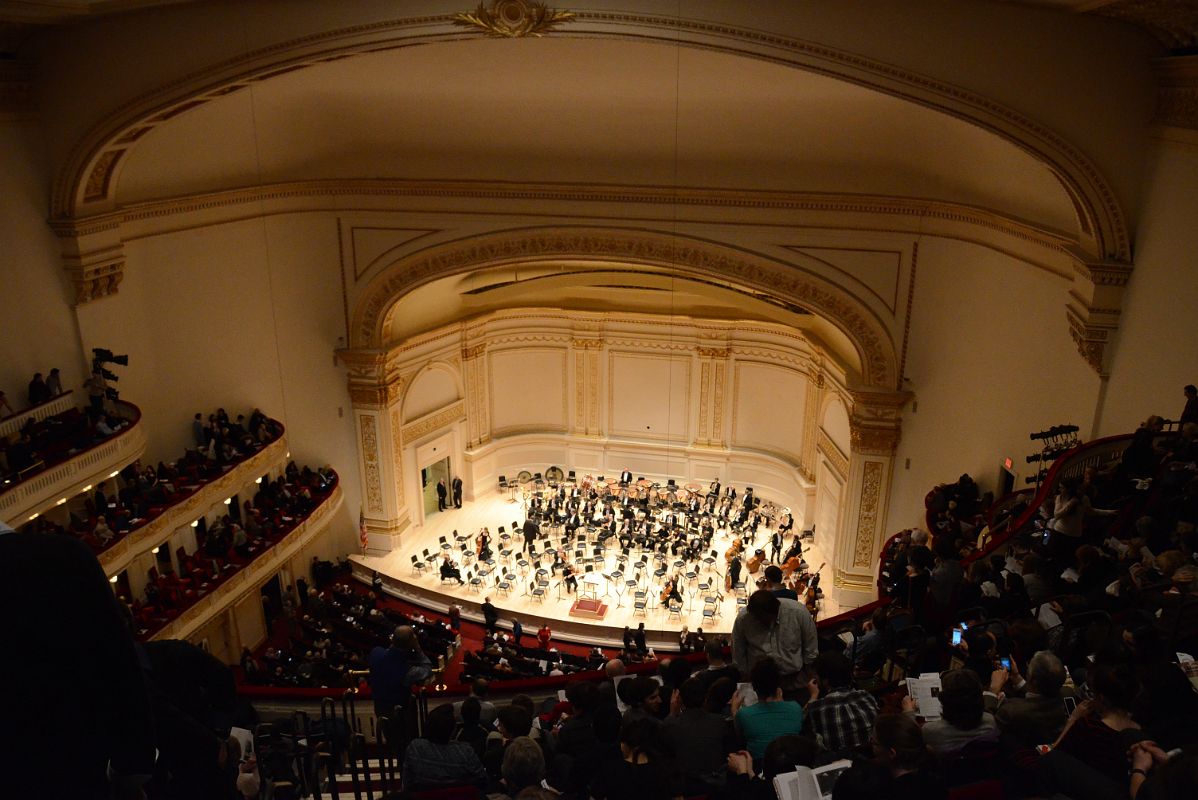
(573,522)
(693,505)
(788,521)
(483,541)
(450,570)
(571,578)
(673,593)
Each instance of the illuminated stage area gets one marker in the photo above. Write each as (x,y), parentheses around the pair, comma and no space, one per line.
(608,580)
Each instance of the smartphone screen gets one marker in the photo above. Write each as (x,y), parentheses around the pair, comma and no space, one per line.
(964,626)
(956,636)
(1006,663)
(1070,704)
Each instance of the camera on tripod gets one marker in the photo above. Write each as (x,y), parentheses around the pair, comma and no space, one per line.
(102,356)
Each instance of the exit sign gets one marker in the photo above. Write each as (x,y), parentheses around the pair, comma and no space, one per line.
(1006,462)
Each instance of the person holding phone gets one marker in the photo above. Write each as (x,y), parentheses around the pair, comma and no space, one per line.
(964,718)
(1039,714)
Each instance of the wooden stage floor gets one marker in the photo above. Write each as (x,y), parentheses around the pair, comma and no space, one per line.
(585,625)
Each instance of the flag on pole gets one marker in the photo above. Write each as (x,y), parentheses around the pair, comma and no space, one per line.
(363,537)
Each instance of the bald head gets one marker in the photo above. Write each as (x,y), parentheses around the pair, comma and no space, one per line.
(404,638)
(614,668)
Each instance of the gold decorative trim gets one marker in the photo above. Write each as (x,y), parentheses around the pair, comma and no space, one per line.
(397,455)
(869,335)
(513,19)
(910,305)
(100,179)
(370,463)
(434,421)
(867,515)
(836,459)
(1081,175)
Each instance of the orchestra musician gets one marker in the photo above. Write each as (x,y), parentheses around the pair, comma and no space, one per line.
(450,570)
(625,477)
(483,544)
(713,488)
(776,545)
(670,592)
(756,561)
(570,577)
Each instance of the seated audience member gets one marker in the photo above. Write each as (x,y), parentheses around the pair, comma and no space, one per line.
(963,716)
(1157,775)
(898,745)
(699,738)
(719,697)
(1101,731)
(512,722)
(771,716)
(642,695)
(1168,706)
(839,716)
(717,666)
(438,761)
(782,756)
(478,690)
(1039,715)
(471,731)
(523,767)
(864,780)
(643,771)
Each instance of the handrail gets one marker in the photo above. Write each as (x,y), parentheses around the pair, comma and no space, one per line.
(23,497)
(52,407)
(230,588)
(157,528)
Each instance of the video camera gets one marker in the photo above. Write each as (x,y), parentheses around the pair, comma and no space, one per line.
(102,356)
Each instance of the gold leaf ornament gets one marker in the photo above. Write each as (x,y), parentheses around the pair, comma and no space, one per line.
(513,19)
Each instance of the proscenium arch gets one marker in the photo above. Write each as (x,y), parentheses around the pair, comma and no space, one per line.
(86,183)
(685,255)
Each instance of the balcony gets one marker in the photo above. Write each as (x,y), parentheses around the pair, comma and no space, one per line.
(153,533)
(232,586)
(25,500)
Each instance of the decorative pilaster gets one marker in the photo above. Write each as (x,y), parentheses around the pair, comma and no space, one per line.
(586,352)
(1095,303)
(811,409)
(874,427)
(377,400)
(93,255)
(713,378)
(474,371)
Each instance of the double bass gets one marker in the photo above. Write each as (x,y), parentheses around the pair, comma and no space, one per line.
(667,589)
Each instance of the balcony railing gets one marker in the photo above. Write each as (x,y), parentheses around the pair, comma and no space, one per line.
(232,586)
(23,501)
(51,408)
(153,532)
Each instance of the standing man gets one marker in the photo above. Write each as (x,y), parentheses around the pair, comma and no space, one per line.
(97,390)
(638,638)
(490,615)
(442,493)
(776,545)
(625,477)
(394,671)
(517,632)
(778,628)
(1190,412)
(457,491)
(544,635)
(531,532)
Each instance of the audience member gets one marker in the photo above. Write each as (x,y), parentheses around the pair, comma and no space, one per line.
(436,760)
(771,716)
(779,629)
(700,738)
(840,716)
(964,719)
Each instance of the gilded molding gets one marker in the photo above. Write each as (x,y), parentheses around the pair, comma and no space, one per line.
(373,310)
(439,419)
(838,460)
(1098,208)
(867,515)
(97,280)
(370,463)
(717,415)
(704,396)
(593,392)
(513,19)
(397,454)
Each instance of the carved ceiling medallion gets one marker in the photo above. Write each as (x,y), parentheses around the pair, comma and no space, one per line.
(513,19)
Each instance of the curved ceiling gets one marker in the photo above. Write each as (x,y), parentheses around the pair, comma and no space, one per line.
(587,111)
(583,286)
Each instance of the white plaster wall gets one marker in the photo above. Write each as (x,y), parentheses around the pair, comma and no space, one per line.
(835,424)
(1157,350)
(990,360)
(769,403)
(39,325)
(650,396)
(527,389)
(434,388)
(236,316)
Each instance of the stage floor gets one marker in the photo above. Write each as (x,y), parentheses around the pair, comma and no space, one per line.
(497,510)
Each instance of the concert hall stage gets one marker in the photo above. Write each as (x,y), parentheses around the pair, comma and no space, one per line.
(591,625)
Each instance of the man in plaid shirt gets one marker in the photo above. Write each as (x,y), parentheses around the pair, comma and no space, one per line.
(840,716)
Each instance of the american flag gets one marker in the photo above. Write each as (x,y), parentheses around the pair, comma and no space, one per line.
(363,537)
